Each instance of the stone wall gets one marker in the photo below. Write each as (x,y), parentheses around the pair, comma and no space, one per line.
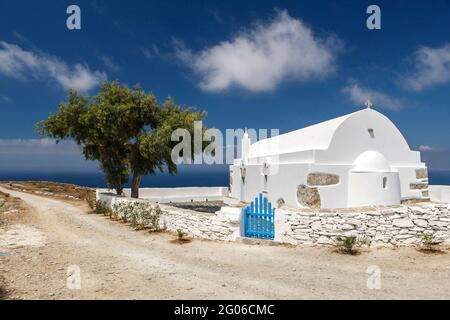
(214,226)
(379,226)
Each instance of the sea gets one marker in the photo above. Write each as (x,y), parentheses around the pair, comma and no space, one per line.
(163,180)
(96,179)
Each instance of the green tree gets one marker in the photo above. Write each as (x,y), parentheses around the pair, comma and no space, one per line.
(125,129)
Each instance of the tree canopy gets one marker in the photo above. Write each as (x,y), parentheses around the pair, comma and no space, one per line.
(124,128)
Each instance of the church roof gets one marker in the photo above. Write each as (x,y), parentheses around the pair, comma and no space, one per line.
(315,137)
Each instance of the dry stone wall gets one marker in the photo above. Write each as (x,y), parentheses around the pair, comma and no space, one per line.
(214,226)
(378,226)
(402,225)
(200,224)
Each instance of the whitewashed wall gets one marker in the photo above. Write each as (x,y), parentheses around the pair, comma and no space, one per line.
(188,194)
(439,193)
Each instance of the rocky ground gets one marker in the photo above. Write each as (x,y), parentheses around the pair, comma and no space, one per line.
(43,239)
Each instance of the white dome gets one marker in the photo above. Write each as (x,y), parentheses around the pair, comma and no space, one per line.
(372,161)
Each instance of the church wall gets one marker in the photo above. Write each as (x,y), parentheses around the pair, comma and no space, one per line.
(254,182)
(283,184)
(408,178)
(373,188)
(235,182)
(333,196)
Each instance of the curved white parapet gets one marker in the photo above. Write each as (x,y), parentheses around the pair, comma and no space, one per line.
(439,193)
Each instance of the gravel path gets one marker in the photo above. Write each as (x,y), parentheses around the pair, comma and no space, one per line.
(119,263)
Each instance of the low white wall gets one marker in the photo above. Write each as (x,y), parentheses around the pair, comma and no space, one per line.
(221,225)
(379,226)
(167,195)
(439,193)
(400,225)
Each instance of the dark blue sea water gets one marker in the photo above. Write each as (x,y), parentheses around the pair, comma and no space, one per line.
(183,179)
(439,177)
(95,179)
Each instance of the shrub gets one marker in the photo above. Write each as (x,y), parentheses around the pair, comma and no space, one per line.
(150,217)
(180,238)
(122,210)
(140,215)
(180,235)
(429,243)
(133,220)
(101,208)
(346,244)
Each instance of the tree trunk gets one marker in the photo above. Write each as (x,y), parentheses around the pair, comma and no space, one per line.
(119,191)
(135,185)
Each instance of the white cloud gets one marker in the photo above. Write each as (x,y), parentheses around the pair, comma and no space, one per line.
(425,148)
(151,52)
(359,95)
(110,63)
(431,67)
(38,146)
(260,58)
(21,64)
(5,99)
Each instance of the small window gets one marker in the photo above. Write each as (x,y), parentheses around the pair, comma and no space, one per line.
(371,133)
(384,183)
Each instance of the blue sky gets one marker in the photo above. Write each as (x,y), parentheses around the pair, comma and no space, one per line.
(264,64)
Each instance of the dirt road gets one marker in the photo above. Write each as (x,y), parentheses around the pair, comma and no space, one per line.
(119,263)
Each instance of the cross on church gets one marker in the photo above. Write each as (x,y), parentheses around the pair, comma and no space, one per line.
(368,104)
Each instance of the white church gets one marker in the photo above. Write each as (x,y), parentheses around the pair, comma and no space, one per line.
(359,159)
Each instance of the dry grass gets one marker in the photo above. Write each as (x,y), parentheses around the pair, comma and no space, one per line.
(11,209)
(434,250)
(181,238)
(3,290)
(61,191)
(180,241)
(352,252)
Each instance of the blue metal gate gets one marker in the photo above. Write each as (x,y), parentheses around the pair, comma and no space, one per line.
(259,219)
